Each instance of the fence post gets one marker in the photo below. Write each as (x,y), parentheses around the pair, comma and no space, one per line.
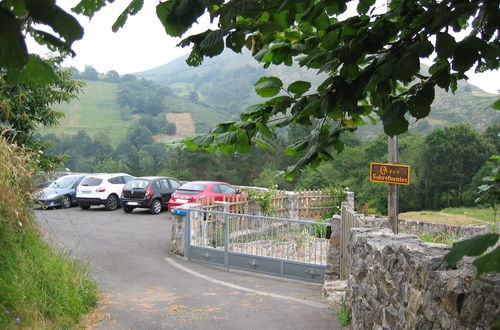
(344,232)
(293,212)
(350,199)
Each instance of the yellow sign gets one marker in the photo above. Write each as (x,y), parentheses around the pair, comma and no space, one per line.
(390,173)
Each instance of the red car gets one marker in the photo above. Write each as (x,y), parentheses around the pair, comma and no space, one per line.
(205,192)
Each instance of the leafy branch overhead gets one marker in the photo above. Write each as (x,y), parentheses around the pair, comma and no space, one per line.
(372,61)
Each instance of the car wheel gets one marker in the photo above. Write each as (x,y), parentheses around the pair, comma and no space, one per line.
(65,202)
(127,209)
(111,203)
(155,207)
(84,206)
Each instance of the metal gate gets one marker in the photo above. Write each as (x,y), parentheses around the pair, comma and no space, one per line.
(286,247)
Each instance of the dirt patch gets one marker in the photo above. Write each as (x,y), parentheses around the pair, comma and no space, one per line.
(441,217)
(184,127)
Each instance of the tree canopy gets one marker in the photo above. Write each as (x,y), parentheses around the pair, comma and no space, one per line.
(372,58)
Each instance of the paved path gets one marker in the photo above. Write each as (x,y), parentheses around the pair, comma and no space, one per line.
(146,287)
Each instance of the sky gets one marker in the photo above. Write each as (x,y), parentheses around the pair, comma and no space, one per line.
(143,44)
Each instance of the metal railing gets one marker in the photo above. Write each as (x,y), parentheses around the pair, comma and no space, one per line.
(277,238)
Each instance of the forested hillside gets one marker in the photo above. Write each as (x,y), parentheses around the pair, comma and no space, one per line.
(226,82)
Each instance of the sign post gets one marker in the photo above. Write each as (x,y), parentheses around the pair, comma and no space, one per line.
(393,195)
(395,175)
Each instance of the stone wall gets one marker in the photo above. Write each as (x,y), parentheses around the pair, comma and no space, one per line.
(400,282)
(419,227)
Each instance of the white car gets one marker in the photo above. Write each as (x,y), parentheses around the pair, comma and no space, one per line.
(101,189)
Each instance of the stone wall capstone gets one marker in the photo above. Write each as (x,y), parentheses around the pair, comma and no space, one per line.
(400,282)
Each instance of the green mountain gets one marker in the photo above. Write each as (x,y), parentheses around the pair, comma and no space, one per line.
(198,98)
(226,82)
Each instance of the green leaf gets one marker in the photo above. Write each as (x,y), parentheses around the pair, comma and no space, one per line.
(474,246)
(407,66)
(203,140)
(13,51)
(268,86)
(190,144)
(213,43)
(236,41)
(445,45)
(90,7)
(227,138)
(496,105)
(299,87)
(47,12)
(265,131)
(465,54)
(364,6)
(488,263)
(177,16)
(420,103)
(133,8)
(393,118)
(35,72)
(243,144)
(263,144)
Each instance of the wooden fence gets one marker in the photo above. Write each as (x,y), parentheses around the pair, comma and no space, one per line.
(301,204)
(304,204)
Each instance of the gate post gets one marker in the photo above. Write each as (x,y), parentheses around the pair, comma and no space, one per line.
(181,229)
(332,270)
(179,218)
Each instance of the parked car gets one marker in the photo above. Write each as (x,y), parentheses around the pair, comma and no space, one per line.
(203,192)
(101,189)
(61,192)
(150,192)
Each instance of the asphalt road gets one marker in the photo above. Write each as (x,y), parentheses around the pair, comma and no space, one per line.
(145,286)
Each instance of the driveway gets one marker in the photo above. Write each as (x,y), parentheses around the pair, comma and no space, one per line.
(146,287)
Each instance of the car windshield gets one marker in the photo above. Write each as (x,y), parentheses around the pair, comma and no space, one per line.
(91,181)
(63,182)
(191,188)
(137,184)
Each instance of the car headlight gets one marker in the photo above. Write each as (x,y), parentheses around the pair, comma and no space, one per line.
(51,196)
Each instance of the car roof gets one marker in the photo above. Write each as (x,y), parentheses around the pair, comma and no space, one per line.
(153,178)
(208,182)
(108,175)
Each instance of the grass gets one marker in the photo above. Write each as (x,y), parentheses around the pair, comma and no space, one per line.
(39,288)
(442,237)
(344,313)
(453,216)
(95,112)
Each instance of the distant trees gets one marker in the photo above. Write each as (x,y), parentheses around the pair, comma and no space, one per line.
(89,73)
(450,159)
(142,96)
(447,165)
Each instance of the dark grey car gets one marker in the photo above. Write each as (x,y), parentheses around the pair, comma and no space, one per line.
(151,192)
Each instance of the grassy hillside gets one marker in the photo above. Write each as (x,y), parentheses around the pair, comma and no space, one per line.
(96,112)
